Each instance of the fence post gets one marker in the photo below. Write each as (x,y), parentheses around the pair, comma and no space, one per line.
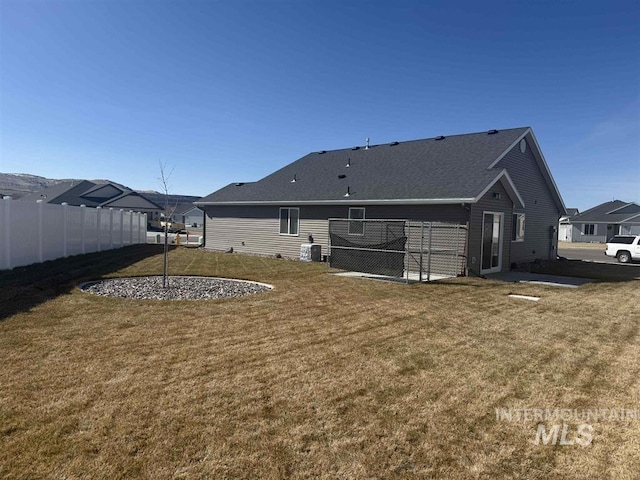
(429,255)
(65,228)
(121,227)
(40,231)
(421,250)
(457,249)
(98,219)
(130,227)
(82,226)
(6,223)
(111,228)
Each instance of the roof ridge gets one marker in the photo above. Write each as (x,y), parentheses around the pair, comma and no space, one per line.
(363,147)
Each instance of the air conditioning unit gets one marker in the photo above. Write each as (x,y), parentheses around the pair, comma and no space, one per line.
(310,252)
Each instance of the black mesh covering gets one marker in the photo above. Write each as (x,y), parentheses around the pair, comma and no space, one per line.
(376,247)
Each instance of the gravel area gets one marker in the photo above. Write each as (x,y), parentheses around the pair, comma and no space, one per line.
(180,288)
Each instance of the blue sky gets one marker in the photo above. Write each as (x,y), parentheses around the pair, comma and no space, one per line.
(231,91)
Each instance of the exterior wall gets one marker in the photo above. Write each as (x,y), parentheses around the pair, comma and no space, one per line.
(565,232)
(490,204)
(255,229)
(541,212)
(601,232)
(194,216)
(629,229)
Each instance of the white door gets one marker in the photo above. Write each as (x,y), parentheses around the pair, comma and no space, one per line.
(492,231)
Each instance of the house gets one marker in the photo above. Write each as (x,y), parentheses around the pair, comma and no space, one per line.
(497,182)
(188,214)
(564,226)
(600,223)
(96,194)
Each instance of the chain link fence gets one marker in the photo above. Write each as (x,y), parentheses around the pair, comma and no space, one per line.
(405,250)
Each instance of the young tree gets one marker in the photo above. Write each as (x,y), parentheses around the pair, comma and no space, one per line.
(168,215)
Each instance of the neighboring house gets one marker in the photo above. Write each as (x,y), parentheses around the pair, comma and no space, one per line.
(564,226)
(600,223)
(496,181)
(92,194)
(189,214)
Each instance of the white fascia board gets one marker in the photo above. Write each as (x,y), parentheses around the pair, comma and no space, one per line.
(511,189)
(398,201)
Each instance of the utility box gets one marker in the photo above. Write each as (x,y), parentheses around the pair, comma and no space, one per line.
(310,252)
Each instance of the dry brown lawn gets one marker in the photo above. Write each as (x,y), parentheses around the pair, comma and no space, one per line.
(323,377)
(584,245)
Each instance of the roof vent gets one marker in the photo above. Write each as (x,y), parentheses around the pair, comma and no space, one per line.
(322,152)
(342,175)
(441,137)
(348,194)
(239,184)
(492,132)
(367,142)
(355,148)
(294,179)
(348,163)
(393,144)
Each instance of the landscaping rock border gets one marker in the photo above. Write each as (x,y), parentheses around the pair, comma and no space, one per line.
(180,288)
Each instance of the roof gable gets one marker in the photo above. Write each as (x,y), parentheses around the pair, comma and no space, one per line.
(131,201)
(629,209)
(615,211)
(103,192)
(435,170)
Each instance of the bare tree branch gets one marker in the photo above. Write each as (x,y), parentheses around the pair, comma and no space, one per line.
(168,217)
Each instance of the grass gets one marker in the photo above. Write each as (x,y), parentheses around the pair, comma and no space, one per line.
(582,245)
(323,377)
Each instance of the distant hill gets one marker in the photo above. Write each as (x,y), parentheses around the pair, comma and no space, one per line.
(18,185)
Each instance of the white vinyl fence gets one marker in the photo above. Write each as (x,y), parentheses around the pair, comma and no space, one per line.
(37,232)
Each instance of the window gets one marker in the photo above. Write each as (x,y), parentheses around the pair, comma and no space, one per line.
(517,233)
(289,221)
(589,229)
(624,240)
(356,227)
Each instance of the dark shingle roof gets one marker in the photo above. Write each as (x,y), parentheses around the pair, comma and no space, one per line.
(82,193)
(615,211)
(455,167)
(572,211)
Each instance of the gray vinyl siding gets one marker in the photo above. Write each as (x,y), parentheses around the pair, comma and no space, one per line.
(601,232)
(541,212)
(256,229)
(489,204)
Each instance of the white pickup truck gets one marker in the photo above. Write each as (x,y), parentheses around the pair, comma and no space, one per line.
(624,247)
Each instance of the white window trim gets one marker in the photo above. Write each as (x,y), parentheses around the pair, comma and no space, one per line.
(364,216)
(519,240)
(501,244)
(584,229)
(289,222)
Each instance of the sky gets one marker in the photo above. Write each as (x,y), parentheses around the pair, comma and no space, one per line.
(226,91)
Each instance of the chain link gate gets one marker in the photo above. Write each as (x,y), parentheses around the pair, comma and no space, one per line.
(410,251)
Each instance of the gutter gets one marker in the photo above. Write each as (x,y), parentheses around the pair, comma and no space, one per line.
(396,201)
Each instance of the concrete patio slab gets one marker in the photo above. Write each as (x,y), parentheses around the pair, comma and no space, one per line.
(540,279)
